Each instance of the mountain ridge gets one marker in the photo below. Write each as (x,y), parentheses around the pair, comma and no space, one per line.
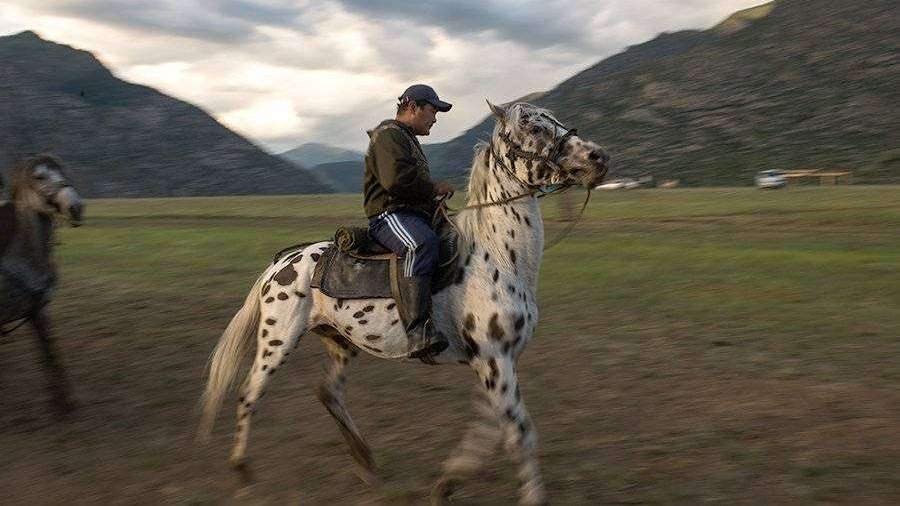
(786,84)
(310,154)
(122,139)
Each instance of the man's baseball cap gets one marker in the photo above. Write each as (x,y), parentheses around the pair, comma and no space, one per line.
(427,93)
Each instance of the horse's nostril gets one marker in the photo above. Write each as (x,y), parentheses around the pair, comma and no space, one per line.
(594,156)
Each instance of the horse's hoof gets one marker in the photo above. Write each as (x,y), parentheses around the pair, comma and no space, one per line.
(242,467)
(367,476)
(442,491)
(534,496)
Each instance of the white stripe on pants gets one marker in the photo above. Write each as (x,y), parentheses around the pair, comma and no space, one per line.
(406,238)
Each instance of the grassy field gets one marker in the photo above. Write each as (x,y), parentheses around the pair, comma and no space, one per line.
(708,345)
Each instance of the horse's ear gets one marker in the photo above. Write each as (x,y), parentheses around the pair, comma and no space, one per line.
(496,110)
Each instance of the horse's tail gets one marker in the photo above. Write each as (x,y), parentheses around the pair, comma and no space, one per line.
(225,359)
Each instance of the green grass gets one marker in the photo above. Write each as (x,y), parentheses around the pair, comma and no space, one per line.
(694,345)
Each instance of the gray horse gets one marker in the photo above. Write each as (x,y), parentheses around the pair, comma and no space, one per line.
(39,191)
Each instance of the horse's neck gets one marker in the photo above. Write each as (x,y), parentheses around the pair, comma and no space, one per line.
(31,238)
(512,232)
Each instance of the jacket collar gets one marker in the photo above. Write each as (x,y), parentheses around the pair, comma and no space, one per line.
(396,123)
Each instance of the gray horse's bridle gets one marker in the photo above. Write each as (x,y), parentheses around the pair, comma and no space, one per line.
(50,190)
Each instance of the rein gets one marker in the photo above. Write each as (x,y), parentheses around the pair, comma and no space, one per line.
(551,159)
(530,156)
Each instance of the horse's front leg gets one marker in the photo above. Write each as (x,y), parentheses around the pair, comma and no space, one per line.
(519,431)
(497,375)
(58,381)
(473,452)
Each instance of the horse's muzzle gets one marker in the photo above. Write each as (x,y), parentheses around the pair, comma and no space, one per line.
(75,213)
(597,176)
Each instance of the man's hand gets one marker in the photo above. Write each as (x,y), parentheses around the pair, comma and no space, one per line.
(443,188)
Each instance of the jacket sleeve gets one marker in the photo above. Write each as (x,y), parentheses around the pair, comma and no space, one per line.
(398,170)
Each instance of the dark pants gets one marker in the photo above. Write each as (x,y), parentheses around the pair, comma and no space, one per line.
(410,236)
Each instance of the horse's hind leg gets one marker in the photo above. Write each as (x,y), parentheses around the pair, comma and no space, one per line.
(331,394)
(56,375)
(279,333)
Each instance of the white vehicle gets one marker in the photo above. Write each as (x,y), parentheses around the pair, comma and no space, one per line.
(770,179)
(619,184)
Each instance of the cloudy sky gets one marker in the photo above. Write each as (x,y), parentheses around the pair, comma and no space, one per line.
(284,72)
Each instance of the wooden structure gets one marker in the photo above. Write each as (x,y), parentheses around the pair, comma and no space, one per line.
(669,183)
(831,177)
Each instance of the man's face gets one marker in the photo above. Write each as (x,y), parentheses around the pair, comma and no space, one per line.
(423,118)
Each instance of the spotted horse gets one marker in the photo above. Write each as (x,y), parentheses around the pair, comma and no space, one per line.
(488,313)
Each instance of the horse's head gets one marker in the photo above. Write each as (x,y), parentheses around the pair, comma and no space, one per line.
(541,151)
(40,183)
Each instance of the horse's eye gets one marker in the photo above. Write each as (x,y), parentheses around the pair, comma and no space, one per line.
(40,176)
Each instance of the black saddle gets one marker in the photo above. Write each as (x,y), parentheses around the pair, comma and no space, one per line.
(358,267)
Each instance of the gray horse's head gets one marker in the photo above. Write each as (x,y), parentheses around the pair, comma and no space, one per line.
(541,151)
(40,183)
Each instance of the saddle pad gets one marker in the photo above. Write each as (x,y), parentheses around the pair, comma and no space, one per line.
(342,276)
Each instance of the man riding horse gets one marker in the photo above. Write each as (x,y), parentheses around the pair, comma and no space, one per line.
(400,202)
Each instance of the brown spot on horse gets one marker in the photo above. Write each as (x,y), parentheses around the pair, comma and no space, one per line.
(495,331)
(286,276)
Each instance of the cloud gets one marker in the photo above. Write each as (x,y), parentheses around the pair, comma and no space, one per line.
(222,21)
(541,23)
(584,25)
(289,71)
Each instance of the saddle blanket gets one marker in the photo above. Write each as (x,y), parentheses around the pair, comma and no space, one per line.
(343,276)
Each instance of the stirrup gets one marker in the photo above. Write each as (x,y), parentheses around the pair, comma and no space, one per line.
(427,354)
(437,344)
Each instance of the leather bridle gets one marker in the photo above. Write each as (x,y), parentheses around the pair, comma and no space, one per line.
(551,158)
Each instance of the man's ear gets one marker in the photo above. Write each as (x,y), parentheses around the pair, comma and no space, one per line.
(498,111)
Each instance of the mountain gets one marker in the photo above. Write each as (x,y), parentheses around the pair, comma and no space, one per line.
(344,177)
(122,139)
(788,84)
(339,168)
(313,153)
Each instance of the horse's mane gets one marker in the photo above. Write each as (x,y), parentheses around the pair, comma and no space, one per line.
(21,171)
(473,222)
(474,228)
(514,115)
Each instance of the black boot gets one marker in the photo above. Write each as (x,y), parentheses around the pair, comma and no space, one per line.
(415,311)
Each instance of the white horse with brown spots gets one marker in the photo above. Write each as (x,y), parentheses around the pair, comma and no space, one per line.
(488,314)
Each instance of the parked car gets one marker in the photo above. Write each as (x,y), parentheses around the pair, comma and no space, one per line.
(624,183)
(770,179)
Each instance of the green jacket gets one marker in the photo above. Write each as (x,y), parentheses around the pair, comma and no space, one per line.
(396,175)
